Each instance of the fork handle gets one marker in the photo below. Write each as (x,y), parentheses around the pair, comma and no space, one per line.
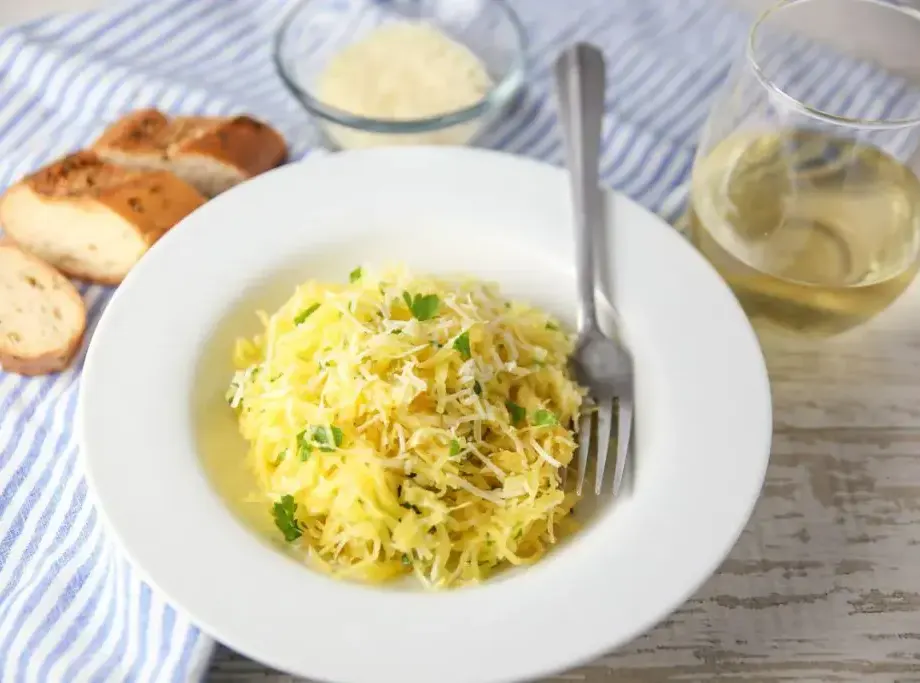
(580,81)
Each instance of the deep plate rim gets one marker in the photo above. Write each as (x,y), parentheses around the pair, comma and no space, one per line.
(443,168)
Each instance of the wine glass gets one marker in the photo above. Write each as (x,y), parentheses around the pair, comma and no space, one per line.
(805,193)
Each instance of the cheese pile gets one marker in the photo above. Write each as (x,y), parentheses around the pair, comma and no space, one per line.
(401,424)
(403,71)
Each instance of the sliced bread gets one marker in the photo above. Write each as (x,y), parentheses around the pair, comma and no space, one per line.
(211,153)
(91,219)
(42,317)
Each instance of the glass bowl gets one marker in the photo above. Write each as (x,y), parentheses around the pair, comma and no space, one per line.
(316,30)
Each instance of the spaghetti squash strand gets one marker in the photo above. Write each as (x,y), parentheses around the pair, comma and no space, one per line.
(409,425)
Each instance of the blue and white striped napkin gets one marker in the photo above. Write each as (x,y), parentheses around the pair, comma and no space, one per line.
(71,610)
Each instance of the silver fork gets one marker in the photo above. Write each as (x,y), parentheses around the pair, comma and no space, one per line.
(600,363)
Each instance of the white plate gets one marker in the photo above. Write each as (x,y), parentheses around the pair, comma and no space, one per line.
(160,359)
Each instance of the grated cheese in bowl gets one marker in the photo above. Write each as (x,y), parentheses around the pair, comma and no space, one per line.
(403,71)
(430,72)
(401,424)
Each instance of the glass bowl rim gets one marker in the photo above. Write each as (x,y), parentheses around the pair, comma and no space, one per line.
(499,94)
(769,84)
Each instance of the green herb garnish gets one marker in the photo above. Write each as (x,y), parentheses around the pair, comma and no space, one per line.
(304,314)
(477,388)
(283,512)
(422,307)
(544,418)
(406,560)
(355,275)
(462,344)
(454,448)
(304,447)
(517,412)
(327,438)
(280,457)
(552,326)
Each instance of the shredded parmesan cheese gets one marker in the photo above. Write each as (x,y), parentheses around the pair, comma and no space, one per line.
(403,71)
(395,428)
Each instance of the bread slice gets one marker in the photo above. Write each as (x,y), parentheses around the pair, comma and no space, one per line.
(93,220)
(42,317)
(211,153)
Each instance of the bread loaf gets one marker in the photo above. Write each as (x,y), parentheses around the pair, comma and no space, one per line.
(42,317)
(211,153)
(91,219)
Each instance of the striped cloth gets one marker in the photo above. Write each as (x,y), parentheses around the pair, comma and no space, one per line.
(71,610)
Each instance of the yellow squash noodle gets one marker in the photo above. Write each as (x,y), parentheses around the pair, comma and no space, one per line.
(410,425)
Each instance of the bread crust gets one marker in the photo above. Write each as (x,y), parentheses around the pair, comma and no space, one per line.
(57,359)
(150,202)
(137,132)
(247,145)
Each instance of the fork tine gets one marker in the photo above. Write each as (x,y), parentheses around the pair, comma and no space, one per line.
(624,430)
(584,443)
(604,429)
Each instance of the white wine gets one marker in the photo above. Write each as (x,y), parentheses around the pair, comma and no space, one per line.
(815,233)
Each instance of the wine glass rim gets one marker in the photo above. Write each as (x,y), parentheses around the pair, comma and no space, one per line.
(815,112)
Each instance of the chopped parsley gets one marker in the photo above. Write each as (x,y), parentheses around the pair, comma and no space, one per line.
(422,307)
(462,344)
(544,418)
(517,412)
(327,438)
(280,457)
(454,448)
(406,560)
(283,512)
(477,388)
(304,447)
(304,314)
(552,326)
(355,275)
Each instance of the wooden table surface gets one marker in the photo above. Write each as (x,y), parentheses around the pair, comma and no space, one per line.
(824,584)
